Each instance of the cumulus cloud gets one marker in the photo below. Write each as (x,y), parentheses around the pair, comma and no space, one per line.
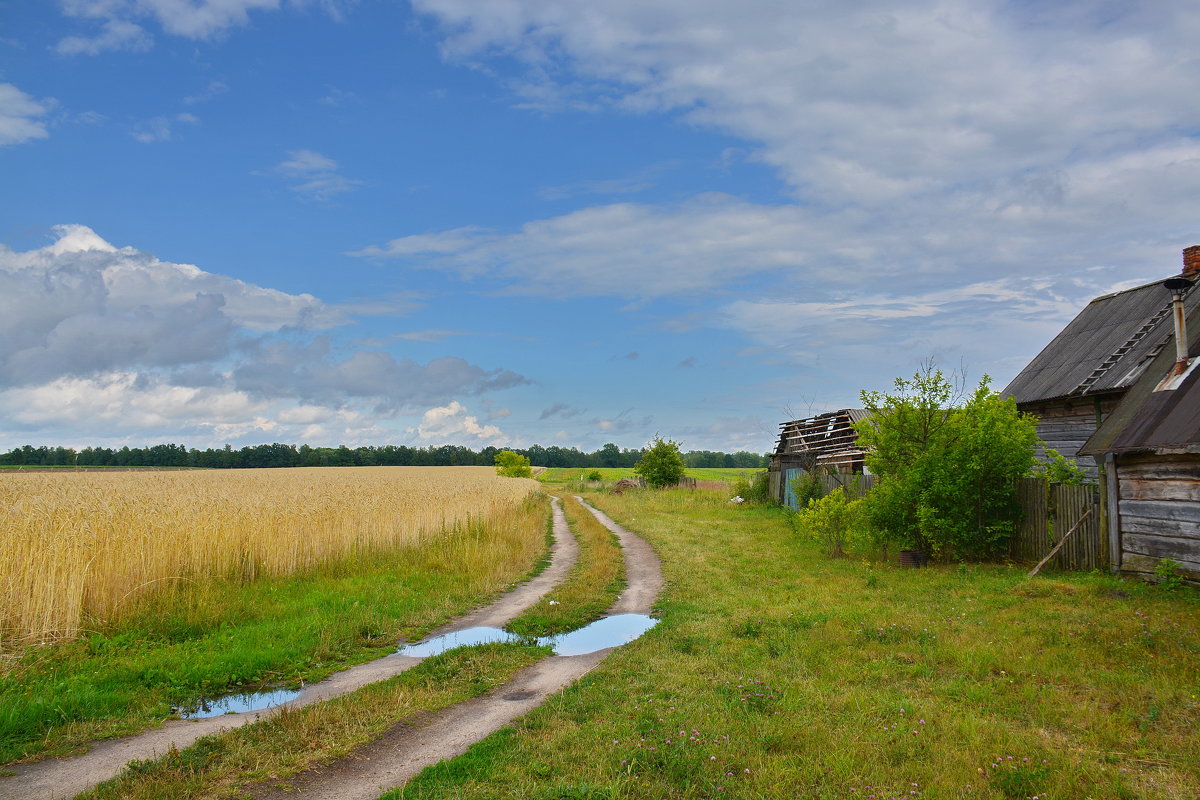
(82,305)
(20,116)
(97,335)
(452,424)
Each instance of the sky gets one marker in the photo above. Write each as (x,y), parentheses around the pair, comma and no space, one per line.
(508,222)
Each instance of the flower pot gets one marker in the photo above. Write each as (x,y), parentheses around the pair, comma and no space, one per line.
(913,558)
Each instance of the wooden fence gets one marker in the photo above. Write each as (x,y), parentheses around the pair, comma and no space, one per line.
(1050,511)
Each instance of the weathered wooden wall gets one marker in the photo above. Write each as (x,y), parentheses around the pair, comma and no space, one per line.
(1065,425)
(1159,497)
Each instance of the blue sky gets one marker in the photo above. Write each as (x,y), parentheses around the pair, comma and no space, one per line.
(371,222)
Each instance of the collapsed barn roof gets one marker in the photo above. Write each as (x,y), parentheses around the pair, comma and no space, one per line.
(830,437)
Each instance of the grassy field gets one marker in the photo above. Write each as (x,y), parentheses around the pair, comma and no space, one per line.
(210,637)
(568,475)
(79,550)
(777,672)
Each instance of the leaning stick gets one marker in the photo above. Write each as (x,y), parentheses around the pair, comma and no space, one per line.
(1058,546)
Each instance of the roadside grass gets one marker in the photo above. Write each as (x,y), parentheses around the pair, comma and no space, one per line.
(590,588)
(777,672)
(215,637)
(272,750)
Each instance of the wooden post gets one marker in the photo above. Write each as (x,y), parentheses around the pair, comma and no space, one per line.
(1058,546)
(1112,493)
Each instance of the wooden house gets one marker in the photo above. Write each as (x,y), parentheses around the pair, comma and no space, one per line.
(1078,380)
(826,442)
(1150,448)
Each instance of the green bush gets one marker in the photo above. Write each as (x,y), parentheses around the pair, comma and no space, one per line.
(661,463)
(947,469)
(834,521)
(513,465)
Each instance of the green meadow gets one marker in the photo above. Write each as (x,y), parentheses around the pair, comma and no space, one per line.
(777,672)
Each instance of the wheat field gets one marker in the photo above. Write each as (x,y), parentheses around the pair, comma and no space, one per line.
(80,547)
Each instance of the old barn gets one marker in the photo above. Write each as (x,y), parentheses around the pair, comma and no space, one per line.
(1150,446)
(826,442)
(1077,381)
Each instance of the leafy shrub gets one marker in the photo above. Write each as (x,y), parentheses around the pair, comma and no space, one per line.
(833,520)
(595,475)
(661,464)
(513,465)
(947,468)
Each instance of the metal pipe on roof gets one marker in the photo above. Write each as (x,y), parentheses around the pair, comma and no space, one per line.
(1178,287)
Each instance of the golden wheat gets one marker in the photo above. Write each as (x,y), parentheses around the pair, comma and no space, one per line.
(80,546)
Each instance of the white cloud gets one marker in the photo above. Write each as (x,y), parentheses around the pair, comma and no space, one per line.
(19,116)
(116,34)
(626,250)
(452,424)
(193,19)
(317,174)
(103,343)
(923,141)
(161,129)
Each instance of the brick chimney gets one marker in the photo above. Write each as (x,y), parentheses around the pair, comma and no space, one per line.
(1191,262)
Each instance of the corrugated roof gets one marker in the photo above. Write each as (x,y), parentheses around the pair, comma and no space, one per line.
(1150,420)
(1106,347)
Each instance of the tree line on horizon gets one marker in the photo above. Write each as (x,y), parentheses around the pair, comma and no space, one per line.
(289,455)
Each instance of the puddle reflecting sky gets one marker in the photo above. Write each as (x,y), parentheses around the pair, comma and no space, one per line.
(237,703)
(603,633)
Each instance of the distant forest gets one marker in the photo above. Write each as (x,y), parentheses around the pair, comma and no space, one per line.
(287,455)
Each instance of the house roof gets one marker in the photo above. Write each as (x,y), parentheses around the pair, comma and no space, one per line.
(1106,348)
(1149,420)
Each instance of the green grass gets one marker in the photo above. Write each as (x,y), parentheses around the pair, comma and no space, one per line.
(216,637)
(568,475)
(590,588)
(271,750)
(794,675)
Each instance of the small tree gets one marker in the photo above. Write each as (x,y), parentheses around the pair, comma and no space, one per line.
(513,465)
(947,468)
(661,463)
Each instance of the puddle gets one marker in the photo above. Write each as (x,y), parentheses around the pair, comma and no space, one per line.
(603,633)
(608,632)
(238,703)
(463,638)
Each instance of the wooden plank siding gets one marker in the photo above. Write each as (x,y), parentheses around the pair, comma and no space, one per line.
(1159,511)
